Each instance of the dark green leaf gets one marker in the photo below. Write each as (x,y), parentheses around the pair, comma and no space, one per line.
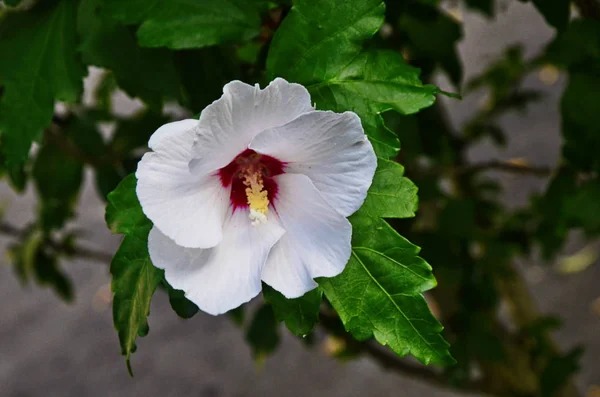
(180,304)
(43,66)
(12,3)
(263,333)
(300,315)
(484,6)
(57,178)
(434,35)
(581,121)
(149,74)
(135,132)
(134,278)
(558,371)
(203,74)
(183,24)
(555,12)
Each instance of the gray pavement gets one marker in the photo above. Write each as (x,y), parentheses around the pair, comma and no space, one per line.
(48,348)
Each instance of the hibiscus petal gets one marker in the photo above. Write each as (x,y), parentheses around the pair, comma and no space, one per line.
(317,239)
(228,125)
(188,208)
(221,278)
(331,149)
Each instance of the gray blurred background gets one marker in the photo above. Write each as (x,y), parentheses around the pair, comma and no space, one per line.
(49,348)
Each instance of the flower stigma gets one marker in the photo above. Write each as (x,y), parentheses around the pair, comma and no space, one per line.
(258,197)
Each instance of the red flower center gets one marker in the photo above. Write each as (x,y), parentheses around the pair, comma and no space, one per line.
(249,174)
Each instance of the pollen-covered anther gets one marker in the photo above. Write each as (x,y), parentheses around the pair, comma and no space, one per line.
(258,197)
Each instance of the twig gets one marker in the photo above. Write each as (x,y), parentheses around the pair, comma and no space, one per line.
(387,360)
(505,166)
(78,252)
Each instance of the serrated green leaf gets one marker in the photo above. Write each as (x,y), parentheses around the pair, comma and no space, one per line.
(57,178)
(319,37)
(373,83)
(263,333)
(368,83)
(391,195)
(148,74)
(188,24)
(43,67)
(379,293)
(134,278)
(300,315)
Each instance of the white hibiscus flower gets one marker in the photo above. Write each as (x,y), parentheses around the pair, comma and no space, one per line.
(258,189)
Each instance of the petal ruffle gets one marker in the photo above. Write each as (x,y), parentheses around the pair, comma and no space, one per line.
(331,149)
(224,277)
(228,125)
(186,207)
(317,239)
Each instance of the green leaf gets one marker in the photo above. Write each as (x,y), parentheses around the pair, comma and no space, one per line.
(149,74)
(57,178)
(434,35)
(580,117)
(556,12)
(300,315)
(134,278)
(263,333)
(379,293)
(135,132)
(180,304)
(203,74)
(182,24)
(12,3)
(581,121)
(373,83)
(44,67)
(319,37)
(391,195)
(124,213)
(558,371)
(368,83)
(484,6)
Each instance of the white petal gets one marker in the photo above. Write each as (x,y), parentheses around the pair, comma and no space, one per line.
(188,208)
(221,278)
(317,239)
(228,125)
(331,149)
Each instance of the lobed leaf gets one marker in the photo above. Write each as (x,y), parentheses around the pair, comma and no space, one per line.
(329,59)
(134,278)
